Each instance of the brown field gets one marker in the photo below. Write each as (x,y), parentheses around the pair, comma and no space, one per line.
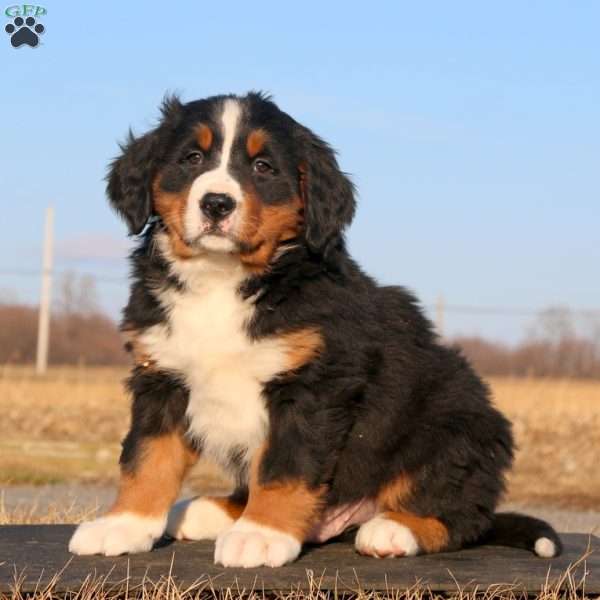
(67,426)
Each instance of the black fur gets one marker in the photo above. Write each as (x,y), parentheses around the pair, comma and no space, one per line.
(159,403)
(520,531)
(385,398)
(329,194)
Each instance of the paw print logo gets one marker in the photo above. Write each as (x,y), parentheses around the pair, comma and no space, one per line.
(24,31)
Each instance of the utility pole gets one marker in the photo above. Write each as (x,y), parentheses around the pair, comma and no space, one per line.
(439,315)
(41,362)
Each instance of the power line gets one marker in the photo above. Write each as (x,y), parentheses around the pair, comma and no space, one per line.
(512,311)
(37,273)
(509,311)
(20,273)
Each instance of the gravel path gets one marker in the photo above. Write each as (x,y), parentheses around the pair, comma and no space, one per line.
(89,496)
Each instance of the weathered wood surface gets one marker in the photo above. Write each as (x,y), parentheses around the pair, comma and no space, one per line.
(37,552)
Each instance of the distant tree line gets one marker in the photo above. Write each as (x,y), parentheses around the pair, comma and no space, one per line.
(554,347)
(80,333)
(575,357)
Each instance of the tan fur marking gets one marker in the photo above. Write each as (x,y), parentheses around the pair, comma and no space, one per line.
(135,348)
(256,142)
(288,506)
(154,485)
(204,137)
(430,532)
(395,494)
(265,227)
(302,346)
(171,207)
(233,507)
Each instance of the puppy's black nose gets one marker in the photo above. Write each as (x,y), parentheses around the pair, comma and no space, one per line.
(217,206)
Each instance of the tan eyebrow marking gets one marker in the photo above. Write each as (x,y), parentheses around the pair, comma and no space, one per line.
(256,142)
(204,136)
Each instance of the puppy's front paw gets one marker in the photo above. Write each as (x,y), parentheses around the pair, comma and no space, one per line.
(248,544)
(381,538)
(117,534)
(197,519)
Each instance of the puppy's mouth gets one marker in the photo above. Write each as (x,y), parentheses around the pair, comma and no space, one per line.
(220,237)
(214,237)
(214,229)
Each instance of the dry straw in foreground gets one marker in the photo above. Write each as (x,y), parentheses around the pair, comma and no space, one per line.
(569,586)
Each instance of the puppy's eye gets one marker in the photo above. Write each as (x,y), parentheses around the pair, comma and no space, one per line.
(194,158)
(262,166)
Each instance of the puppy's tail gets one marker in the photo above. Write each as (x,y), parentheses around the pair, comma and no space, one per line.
(521,531)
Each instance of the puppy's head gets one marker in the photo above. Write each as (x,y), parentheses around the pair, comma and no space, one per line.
(232,174)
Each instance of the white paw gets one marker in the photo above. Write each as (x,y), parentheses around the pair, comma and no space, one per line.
(197,519)
(117,534)
(248,544)
(382,538)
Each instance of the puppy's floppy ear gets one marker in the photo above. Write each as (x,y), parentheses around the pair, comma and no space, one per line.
(129,180)
(327,193)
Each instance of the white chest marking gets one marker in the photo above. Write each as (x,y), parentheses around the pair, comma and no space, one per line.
(205,341)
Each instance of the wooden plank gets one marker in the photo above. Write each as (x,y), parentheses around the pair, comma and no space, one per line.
(39,551)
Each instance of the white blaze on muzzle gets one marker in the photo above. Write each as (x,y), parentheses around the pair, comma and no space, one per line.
(216,181)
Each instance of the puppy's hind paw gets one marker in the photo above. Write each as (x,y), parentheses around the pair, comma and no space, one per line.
(385,538)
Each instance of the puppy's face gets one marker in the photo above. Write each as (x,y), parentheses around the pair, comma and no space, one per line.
(232,175)
(230,182)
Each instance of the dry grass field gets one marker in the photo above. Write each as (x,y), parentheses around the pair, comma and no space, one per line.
(557,429)
(67,426)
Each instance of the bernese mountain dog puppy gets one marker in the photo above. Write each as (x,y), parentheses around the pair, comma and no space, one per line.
(260,343)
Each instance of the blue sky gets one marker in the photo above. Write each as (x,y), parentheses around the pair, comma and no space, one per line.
(472,131)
